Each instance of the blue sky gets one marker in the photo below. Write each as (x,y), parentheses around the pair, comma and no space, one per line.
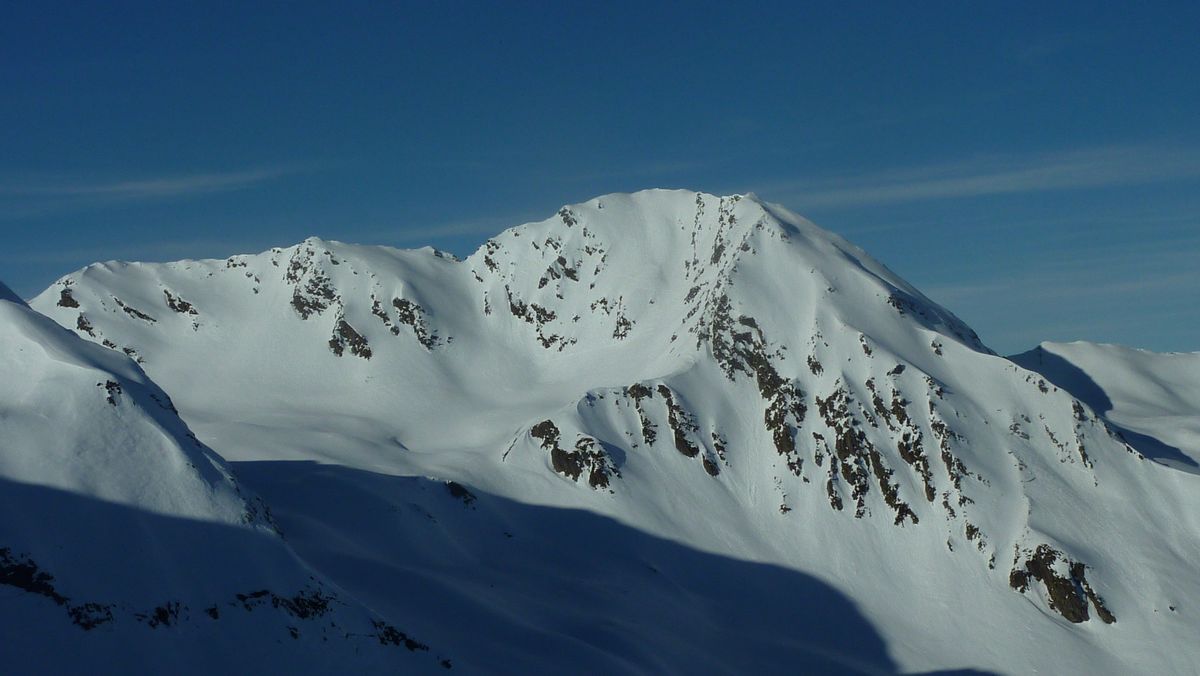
(1035,168)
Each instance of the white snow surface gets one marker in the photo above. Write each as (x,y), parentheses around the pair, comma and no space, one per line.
(125,542)
(684,434)
(1153,398)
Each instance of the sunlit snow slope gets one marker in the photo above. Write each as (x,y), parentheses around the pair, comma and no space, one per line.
(683,433)
(127,546)
(1154,399)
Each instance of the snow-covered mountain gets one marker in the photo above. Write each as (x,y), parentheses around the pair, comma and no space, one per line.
(1152,399)
(666,432)
(127,546)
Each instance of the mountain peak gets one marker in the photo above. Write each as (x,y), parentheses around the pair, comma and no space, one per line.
(710,369)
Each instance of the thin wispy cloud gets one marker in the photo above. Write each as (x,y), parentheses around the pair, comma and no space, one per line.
(1080,169)
(456,229)
(1127,291)
(645,170)
(144,188)
(1065,288)
(1132,308)
(1093,297)
(474,228)
(1038,50)
(160,250)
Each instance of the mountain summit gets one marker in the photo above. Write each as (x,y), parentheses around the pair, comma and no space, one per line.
(617,439)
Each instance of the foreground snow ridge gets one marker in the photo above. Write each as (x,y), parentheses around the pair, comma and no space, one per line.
(128,543)
(661,431)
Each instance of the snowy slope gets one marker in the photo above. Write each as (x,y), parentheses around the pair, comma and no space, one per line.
(1153,398)
(699,383)
(128,546)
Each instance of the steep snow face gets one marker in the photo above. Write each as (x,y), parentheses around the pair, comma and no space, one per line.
(1153,398)
(87,420)
(710,370)
(127,539)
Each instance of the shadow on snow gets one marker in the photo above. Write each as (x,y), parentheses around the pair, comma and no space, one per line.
(509,587)
(1076,382)
(89,586)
